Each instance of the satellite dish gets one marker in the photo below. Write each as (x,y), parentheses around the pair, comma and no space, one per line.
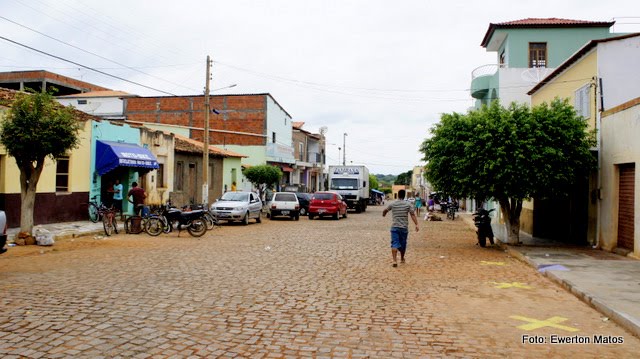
(323,130)
(534,74)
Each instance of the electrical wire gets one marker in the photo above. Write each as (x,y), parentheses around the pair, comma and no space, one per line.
(84,66)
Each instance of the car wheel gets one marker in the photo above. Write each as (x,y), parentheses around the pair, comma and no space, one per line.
(336,216)
(296,217)
(311,216)
(303,212)
(344,215)
(245,220)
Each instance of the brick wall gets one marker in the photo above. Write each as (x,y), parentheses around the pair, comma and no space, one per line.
(239,113)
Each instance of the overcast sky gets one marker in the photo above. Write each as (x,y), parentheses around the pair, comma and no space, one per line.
(380,71)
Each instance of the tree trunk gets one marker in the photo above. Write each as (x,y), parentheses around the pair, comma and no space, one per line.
(29,177)
(511,209)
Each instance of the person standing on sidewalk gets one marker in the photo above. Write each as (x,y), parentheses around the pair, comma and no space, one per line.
(400,212)
(138,194)
(117,196)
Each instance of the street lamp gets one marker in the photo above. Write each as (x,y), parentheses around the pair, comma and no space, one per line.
(339,148)
(344,149)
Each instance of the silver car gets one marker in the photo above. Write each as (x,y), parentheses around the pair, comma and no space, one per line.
(3,232)
(238,206)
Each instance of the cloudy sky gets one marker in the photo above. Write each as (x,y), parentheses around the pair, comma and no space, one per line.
(380,71)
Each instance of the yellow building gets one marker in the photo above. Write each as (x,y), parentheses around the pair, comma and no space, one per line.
(600,80)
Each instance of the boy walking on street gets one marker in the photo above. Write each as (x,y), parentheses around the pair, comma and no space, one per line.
(400,211)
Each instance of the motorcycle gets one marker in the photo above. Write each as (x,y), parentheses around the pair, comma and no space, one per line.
(193,221)
(452,208)
(482,220)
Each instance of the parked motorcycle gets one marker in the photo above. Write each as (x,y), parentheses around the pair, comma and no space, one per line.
(482,220)
(193,221)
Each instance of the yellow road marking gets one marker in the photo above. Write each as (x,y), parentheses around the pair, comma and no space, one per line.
(536,324)
(511,285)
(487,263)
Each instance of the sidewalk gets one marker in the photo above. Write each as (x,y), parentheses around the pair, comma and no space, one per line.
(608,282)
(65,230)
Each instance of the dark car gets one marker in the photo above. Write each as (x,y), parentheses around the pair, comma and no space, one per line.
(327,204)
(304,199)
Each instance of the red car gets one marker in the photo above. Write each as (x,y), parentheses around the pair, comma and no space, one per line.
(327,204)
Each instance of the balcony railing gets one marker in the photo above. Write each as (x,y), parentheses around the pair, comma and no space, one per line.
(484,70)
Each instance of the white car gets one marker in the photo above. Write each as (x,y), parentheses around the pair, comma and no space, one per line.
(238,206)
(284,204)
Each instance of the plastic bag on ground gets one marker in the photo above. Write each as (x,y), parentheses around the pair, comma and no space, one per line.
(43,236)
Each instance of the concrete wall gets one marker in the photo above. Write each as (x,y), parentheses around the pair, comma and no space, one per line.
(98,106)
(279,122)
(161,144)
(620,145)
(618,63)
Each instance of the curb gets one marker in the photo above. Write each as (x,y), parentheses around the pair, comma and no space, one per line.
(629,323)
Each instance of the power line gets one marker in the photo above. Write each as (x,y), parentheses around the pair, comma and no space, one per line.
(84,66)
(93,53)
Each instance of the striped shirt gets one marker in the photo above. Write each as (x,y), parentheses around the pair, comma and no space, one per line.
(400,213)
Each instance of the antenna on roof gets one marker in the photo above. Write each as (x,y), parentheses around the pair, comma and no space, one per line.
(534,74)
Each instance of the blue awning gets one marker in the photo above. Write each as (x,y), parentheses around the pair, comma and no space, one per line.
(110,155)
(377,192)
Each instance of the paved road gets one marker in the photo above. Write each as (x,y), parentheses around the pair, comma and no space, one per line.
(318,288)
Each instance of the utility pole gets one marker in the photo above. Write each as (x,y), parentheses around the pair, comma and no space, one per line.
(344,149)
(205,150)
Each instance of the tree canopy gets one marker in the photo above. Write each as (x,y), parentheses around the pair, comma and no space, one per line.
(36,127)
(509,154)
(262,174)
(373,182)
(404,178)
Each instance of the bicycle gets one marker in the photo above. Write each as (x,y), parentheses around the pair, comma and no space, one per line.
(137,224)
(109,221)
(93,207)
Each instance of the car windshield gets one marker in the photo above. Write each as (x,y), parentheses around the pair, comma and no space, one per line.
(235,196)
(284,197)
(344,183)
(323,196)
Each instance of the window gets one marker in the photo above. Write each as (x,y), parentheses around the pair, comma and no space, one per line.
(537,54)
(581,101)
(179,176)
(82,102)
(273,137)
(301,151)
(503,59)
(62,174)
(160,182)
(210,177)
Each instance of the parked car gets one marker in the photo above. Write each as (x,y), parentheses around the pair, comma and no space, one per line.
(304,199)
(284,204)
(238,206)
(327,204)
(3,232)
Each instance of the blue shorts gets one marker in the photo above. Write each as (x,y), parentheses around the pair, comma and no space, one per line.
(399,237)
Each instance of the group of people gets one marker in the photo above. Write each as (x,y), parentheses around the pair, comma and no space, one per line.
(136,195)
(419,203)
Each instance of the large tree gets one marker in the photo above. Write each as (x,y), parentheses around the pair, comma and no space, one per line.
(510,155)
(404,178)
(36,127)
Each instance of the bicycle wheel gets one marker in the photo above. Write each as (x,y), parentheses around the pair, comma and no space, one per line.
(133,225)
(107,223)
(94,215)
(154,226)
(208,219)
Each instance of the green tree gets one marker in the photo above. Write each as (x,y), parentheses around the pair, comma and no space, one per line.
(262,176)
(404,178)
(373,182)
(509,154)
(36,127)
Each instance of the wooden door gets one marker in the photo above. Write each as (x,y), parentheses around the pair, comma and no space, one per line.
(626,193)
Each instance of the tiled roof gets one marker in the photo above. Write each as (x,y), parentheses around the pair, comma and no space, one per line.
(551,22)
(186,144)
(297,125)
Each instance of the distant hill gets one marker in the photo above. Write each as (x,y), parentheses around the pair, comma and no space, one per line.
(385,180)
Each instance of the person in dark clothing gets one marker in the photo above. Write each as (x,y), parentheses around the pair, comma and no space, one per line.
(137,195)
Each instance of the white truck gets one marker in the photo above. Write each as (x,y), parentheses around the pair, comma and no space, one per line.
(352,183)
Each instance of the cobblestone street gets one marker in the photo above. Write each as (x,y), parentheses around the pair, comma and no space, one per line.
(308,288)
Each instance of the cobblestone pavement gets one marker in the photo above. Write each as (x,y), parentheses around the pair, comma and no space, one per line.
(319,288)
